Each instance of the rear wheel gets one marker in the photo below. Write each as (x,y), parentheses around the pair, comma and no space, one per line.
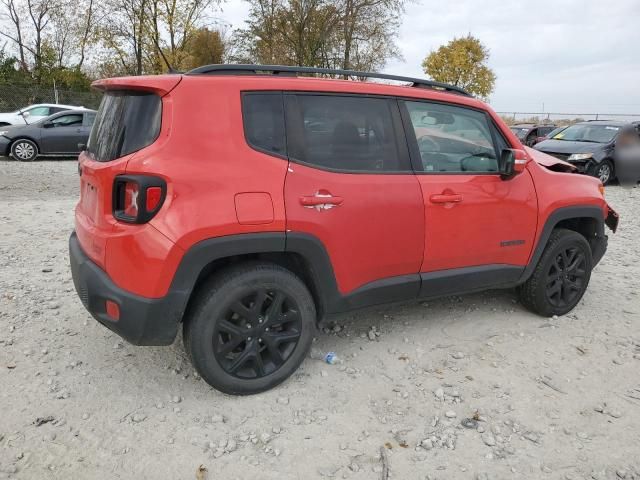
(24,150)
(603,171)
(561,276)
(250,328)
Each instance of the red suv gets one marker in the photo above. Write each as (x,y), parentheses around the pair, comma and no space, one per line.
(247,204)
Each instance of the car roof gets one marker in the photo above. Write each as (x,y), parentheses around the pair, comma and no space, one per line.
(533,125)
(74,110)
(54,105)
(616,123)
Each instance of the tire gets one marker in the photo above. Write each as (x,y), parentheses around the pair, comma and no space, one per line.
(236,340)
(553,289)
(24,150)
(604,171)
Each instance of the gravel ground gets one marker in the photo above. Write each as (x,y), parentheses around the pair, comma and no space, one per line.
(539,398)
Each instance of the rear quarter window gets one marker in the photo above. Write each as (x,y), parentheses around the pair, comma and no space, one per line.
(263,117)
(126,122)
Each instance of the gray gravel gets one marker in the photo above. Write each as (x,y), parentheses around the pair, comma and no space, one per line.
(552,397)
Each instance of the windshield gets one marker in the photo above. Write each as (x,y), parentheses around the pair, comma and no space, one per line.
(553,133)
(520,132)
(584,132)
(126,122)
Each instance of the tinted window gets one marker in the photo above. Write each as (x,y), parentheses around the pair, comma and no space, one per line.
(89,118)
(68,120)
(53,110)
(346,133)
(452,139)
(263,116)
(126,122)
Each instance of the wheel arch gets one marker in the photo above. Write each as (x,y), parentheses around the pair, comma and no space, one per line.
(587,220)
(24,137)
(303,255)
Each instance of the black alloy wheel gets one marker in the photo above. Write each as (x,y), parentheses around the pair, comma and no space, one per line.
(560,277)
(249,327)
(257,333)
(566,276)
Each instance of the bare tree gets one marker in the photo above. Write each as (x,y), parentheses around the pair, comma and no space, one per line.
(14,15)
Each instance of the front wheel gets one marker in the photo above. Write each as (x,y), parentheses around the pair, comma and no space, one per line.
(24,150)
(250,328)
(603,171)
(561,276)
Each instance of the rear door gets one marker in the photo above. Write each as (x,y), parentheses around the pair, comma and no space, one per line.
(350,186)
(473,217)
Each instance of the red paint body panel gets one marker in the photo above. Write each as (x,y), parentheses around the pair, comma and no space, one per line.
(469,232)
(384,226)
(558,189)
(376,232)
(254,208)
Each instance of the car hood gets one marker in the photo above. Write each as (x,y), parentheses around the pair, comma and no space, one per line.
(565,146)
(7,115)
(547,161)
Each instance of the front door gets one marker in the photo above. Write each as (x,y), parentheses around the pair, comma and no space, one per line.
(350,186)
(474,220)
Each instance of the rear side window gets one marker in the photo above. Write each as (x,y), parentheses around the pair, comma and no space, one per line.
(263,116)
(126,122)
(345,133)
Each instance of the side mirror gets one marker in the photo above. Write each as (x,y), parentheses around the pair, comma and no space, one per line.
(25,114)
(512,162)
(48,125)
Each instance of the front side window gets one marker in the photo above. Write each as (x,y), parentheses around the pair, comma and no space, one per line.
(38,111)
(345,133)
(263,116)
(453,139)
(67,120)
(89,118)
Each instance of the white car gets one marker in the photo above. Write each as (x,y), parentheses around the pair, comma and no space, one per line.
(33,113)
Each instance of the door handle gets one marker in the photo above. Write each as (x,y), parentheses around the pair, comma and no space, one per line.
(446,198)
(321,200)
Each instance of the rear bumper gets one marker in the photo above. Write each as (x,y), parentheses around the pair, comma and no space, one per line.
(142,321)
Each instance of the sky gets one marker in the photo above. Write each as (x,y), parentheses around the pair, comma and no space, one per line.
(560,56)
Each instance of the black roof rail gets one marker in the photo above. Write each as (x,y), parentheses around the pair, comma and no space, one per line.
(229,69)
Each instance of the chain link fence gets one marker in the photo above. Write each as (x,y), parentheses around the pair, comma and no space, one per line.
(14,97)
(564,118)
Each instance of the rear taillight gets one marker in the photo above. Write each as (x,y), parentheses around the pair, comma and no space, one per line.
(137,198)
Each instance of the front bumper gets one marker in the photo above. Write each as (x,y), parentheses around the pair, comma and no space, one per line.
(598,248)
(142,321)
(4,146)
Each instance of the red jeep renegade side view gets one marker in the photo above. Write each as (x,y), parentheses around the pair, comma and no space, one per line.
(247,203)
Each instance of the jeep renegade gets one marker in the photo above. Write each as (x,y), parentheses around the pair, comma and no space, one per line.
(246,203)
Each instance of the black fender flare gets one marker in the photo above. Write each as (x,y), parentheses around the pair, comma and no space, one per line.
(566,213)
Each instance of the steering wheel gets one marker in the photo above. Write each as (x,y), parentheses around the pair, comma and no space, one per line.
(428,144)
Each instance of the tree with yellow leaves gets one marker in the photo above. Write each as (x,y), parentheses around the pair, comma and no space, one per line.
(462,62)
